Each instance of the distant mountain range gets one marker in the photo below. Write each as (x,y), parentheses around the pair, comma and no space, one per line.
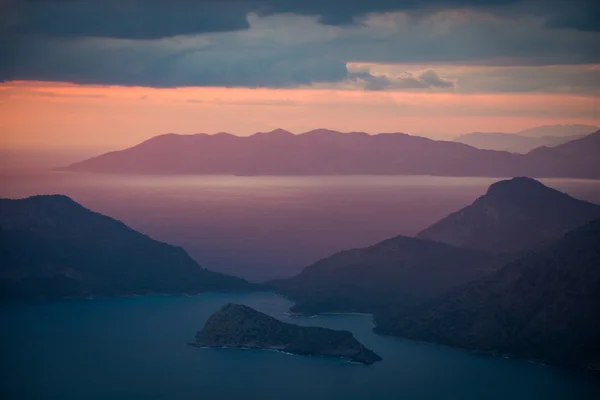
(567,130)
(528,139)
(542,306)
(512,142)
(452,294)
(513,215)
(325,152)
(51,247)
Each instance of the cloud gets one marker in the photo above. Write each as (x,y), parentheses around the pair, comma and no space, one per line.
(579,15)
(426,79)
(254,102)
(296,48)
(270,54)
(152,19)
(127,19)
(582,79)
(432,79)
(70,95)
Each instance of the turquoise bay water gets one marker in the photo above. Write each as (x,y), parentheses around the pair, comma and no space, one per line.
(135,348)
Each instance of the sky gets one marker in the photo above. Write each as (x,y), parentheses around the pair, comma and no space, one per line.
(109,74)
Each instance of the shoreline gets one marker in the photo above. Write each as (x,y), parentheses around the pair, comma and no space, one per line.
(287,353)
(594,369)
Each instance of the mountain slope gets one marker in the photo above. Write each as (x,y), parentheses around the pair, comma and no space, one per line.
(542,306)
(398,270)
(513,215)
(512,142)
(577,158)
(50,246)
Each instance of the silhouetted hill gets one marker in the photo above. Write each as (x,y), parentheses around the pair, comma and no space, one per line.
(317,152)
(542,306)
(399,270)
(513,215)
(326,152)
(511,141)
(236,325)
(51,246)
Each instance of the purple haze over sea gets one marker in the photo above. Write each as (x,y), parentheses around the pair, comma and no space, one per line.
(267,227)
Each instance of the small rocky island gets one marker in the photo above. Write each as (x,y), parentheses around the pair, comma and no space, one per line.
(236,325)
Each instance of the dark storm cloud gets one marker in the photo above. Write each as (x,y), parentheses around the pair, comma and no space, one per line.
(571,14)
(138,19)
(581,16)
(169,63)
(336,12)
(281,43)
(151,19)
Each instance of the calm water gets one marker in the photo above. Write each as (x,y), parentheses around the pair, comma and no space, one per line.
(135,348)
(265,227)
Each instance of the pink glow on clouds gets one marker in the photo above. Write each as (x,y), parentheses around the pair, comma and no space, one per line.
(62,115)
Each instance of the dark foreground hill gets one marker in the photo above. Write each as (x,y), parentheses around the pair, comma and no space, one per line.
(513,215)
(236,325)
(325,152)
(542,306)
(401,270)
(540,303)
(51,246)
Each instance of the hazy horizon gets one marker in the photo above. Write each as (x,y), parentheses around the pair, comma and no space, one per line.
(265,227)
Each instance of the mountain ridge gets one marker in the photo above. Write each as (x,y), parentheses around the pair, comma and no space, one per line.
(559,130)
(327,152)
(514,214)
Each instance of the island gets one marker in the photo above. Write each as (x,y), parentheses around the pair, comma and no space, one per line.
(239,326)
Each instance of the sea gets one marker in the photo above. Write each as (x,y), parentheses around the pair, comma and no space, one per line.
(137,349)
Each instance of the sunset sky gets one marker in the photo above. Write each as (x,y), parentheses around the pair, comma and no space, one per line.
(109,74)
